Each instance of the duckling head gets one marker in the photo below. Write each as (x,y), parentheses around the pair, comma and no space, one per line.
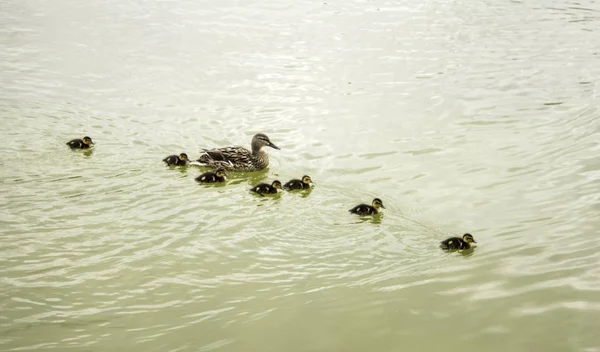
(377,203)
(306,179)
(183,157)
(468,238)
(221,172)
(276,184)
(87,140)
(261,140)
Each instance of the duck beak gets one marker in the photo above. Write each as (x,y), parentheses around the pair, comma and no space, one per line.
(474,241)
(226,174)
(383,206)
(274,146)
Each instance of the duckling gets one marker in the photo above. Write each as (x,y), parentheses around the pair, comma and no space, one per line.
(239,158)
(265,188)
(298,184)
(364,209)
(177,160)
(84,143)
(457,243)
(212,177)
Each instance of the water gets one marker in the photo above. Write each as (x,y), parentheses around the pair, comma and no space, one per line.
(478,116)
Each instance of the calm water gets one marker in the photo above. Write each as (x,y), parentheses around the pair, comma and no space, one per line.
(463,116)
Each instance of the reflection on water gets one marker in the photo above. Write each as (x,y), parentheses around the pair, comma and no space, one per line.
(478,117)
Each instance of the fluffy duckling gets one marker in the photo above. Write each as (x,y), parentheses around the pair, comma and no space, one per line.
(298,184)
(364,209)
(177,160)
(239,158)
(265,188)
(457,243)
(212,177)
(84,143)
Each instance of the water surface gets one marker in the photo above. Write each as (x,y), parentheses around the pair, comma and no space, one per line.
(465,116)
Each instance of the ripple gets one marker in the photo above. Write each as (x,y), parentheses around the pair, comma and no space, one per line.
(473,117)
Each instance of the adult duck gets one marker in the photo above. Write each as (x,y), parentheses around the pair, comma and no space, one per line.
(239,158)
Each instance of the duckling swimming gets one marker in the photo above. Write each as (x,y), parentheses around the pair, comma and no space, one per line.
(265,188)
(239,158)
(298,184)
(84,143)
(212,177)
(457,243)
(177,160)
(364,209)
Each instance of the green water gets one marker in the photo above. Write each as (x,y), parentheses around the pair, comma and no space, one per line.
(478,117)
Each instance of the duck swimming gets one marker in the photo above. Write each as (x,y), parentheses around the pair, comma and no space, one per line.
(84,143)
(298,184)
(364,209)
(177,160)
(265,188)
(212,177)
(239,158)
(457,243)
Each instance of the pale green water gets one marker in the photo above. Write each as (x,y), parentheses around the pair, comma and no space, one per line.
(467,116)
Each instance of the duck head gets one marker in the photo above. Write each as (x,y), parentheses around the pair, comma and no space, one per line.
(468,238)
(276,184)
(183,157)
(221,172)
(261,140)
(377,203)
(306,179)
(87,140)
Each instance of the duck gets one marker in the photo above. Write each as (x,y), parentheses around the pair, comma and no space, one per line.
(212,177)
(265,188)
(364,209)
(239,158)
(298,184)
(84,143)
(177,160)
(457,243)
